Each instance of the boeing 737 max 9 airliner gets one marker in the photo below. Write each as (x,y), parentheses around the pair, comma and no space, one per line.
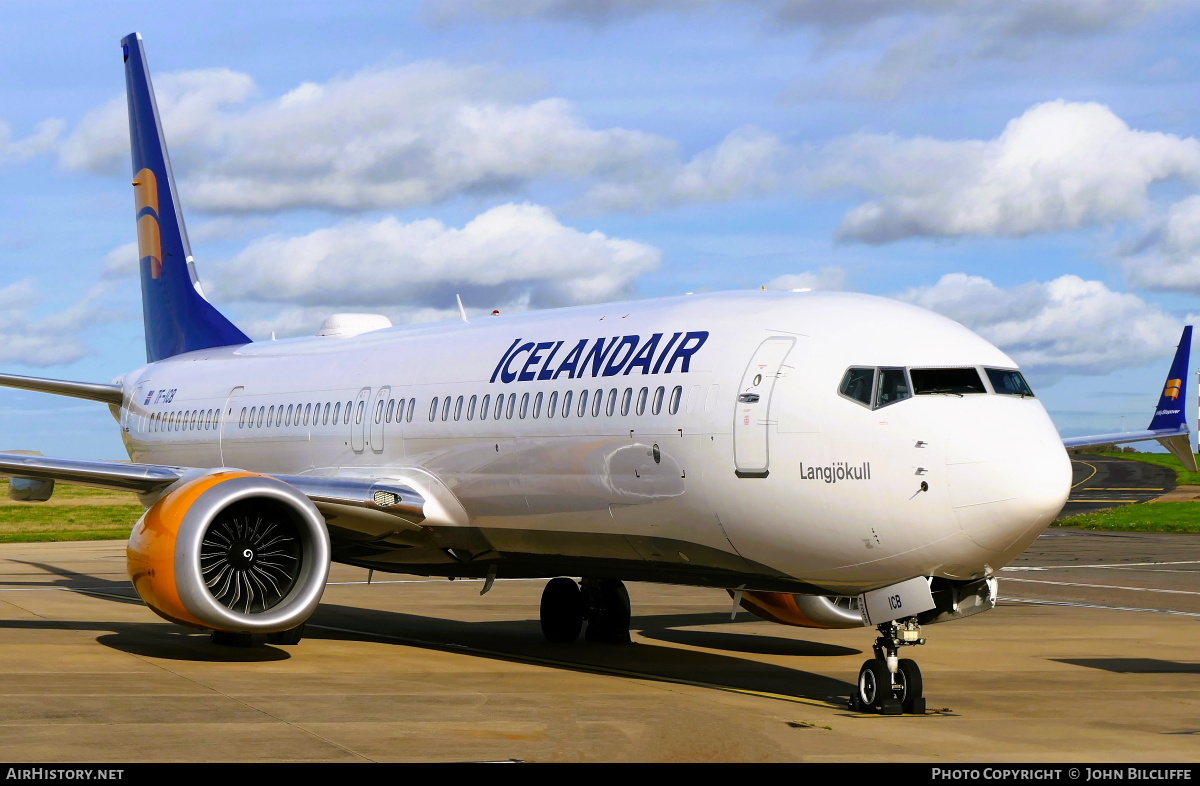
(832,460)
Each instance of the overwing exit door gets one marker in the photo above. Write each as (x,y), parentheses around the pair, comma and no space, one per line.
(751,421)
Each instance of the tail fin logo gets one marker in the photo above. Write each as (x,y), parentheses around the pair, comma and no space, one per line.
(145,192)
(1171,391)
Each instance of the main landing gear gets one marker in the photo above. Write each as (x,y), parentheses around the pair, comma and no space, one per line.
(602,603)
(889,684)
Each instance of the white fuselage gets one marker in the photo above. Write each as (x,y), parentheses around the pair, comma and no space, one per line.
(742,465)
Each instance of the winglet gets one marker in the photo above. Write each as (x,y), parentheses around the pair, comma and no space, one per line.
(177,316)
(1171,412)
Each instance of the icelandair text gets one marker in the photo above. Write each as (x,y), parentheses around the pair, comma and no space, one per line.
(525,361)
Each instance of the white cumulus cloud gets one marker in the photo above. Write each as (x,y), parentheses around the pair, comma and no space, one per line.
(32,338)
(1167,257)
(391,137)
(1064,326)
(44,138)
(1060,165)
(514,253)
(829,279)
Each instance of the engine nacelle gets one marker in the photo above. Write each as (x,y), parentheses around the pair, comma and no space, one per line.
(803,611)
(231,551)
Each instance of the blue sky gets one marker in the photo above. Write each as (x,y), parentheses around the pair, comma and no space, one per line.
(1031,169)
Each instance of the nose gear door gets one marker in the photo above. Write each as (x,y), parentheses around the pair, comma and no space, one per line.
(751,421)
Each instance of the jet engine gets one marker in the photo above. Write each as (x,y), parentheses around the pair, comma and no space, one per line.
(803,611)
(231,551)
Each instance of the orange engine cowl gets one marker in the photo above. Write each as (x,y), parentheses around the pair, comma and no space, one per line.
(231,551)
(803,611)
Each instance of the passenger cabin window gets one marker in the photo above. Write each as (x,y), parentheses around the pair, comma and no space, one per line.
(955,381)
(1008,382)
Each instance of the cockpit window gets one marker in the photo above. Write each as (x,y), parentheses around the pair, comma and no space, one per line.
(928,381)
(1008,382)
(893,387)
(857,384)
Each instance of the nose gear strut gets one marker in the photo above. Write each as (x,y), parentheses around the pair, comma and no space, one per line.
(889,684)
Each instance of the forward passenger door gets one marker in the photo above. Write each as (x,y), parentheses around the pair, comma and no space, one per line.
(751,451)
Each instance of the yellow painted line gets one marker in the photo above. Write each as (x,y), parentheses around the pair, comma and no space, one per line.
(1089,477)
(1115,488)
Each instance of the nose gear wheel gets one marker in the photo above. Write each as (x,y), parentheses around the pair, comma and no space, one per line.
(250,561)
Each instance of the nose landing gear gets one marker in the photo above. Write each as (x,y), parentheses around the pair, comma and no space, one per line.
(889,684)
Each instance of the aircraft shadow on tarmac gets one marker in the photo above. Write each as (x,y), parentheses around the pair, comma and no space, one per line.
(522,641)
(1134,665)
(670,631)
(512,640)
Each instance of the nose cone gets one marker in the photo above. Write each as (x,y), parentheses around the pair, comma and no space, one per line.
(1008,473)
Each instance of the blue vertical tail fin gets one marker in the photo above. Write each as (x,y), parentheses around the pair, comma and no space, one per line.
(177,316)
(1170,416)
(1171,412)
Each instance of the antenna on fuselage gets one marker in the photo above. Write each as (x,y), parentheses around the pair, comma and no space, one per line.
(462,312)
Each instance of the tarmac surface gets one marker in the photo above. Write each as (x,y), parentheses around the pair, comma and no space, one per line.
(1093,656)
(1100,482)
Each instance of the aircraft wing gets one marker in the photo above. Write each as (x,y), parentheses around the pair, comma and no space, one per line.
(331,495)
(1169,424)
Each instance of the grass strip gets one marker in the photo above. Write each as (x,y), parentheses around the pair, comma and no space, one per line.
(33,523)
(1149,517)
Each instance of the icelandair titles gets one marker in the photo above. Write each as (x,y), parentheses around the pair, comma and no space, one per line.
(526,361)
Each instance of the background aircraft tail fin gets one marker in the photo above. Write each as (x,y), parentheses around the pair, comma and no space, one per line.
(177,316)
(1169,426)
(1171,411)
